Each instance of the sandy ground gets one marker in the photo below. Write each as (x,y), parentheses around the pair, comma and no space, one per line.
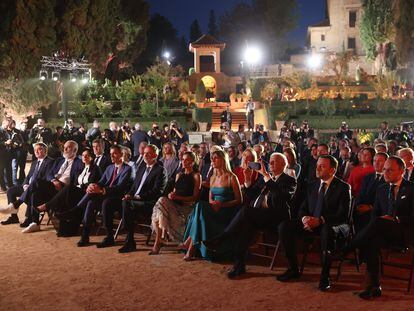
(42,271)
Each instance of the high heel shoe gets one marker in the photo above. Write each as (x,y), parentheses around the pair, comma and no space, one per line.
(189,256)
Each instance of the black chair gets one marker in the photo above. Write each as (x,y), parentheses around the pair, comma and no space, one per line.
(387,257)
(267,245)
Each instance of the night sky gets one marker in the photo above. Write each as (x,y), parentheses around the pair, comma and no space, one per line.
(182,12)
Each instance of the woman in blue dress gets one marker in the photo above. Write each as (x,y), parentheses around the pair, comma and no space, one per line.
(209,219)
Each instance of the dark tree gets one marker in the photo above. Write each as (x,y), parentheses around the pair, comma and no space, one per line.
(212,25)
(195,31)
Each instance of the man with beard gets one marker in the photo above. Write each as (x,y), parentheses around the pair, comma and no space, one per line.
(64,172)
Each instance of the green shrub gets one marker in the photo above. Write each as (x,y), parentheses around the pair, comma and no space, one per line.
(327,107)
(200,95)
(203,115)
(191,71)
(148,109)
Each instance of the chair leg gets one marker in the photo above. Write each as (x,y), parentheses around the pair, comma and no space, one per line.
(411,275)
(272,264)
(42,215)
(357,263)
(118,229)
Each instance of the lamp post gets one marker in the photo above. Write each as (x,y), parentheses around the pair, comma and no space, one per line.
(59,64)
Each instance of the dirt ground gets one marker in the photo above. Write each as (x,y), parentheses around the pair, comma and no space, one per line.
(42,271)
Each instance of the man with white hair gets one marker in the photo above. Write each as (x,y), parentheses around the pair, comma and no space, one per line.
(270,199)
(64,172)
(137,137)
(407,155)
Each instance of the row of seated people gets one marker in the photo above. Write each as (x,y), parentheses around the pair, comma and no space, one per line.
(225,226)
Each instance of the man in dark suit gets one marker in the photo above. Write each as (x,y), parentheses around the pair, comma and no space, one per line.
(39,170)
(137,137)
(407,155)
(101,160)
(149,185)
(270,207)
(392,223)
(324,212)
(64,171)
(106,193)
(94,132)
(366,199)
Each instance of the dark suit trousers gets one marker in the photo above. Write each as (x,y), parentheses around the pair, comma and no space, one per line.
(13,193)
(244,226)
(65,199)
(42,192)
(107,206)
(379,233)
(288,232)
(133,209)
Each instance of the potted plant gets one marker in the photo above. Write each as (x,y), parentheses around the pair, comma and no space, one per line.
(203,116)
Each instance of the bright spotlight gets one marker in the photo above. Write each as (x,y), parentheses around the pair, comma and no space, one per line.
(43,75)
(55,75)
(314,61)
(253,55)
(86,77)
(73,76)
(167,55)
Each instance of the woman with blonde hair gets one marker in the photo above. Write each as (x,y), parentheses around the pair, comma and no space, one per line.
(208,219)
(293,168)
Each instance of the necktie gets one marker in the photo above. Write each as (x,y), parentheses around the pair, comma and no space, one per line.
(62,169)
(377,177)
(35,172)
(407,174)
(98,158)
(391,200)
(319,204)
(138,161)
(114,176)
(144,177)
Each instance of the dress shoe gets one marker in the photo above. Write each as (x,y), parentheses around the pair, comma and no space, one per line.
(33,227)
(9,209)
(324,284)
(290,274)
(371,292)
(25,223)
(127,248)
(106,242)
(236,271)
(84,241)
(13,219)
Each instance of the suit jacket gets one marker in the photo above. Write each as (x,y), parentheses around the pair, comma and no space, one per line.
(95,175)
(369,189)
(92,134)
(337,202)
(404,205)
(280,194)
(154,184)
(121,183)
(41,175)
(136,138)
(77,167)
(104,162)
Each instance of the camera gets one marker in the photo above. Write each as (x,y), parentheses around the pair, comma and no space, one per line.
(255,166)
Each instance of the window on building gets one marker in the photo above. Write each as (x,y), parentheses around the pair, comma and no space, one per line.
(352,18)
(322,37)
(351,43)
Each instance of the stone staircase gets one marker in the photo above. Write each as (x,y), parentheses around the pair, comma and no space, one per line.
(239,117)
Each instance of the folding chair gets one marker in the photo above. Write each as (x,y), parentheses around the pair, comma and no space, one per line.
(266,246)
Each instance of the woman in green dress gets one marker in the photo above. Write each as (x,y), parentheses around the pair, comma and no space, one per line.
(209,219)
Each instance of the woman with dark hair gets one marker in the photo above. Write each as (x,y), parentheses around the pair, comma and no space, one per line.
(364,168)
(170,213)
(210,219)
(70,195)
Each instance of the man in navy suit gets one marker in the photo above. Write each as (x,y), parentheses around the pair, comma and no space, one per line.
(106,193)
(101,160)
(392,223)
(137,137)
(38,171)
(64,171)
(149,186)
(324,212)
(366,199)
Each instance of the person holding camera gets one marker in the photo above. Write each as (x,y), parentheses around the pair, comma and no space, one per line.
(40,133)
(155,135)
(344,131)
(125,136)
(177,135)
